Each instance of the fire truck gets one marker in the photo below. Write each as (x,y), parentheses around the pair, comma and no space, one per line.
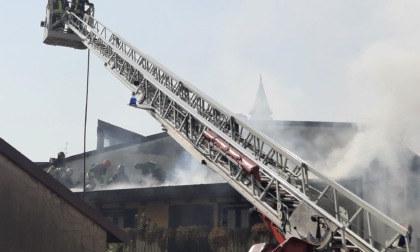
(301,216)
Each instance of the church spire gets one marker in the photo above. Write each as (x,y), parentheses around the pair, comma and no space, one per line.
(261,110)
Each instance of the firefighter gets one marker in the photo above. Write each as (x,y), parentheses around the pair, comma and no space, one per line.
(150,168)
(57,8)
(78,7)
(98,171)
(60,161)
(402,240)
(91,9)
(65,178)
(120,176)
(90,183)
(57,165)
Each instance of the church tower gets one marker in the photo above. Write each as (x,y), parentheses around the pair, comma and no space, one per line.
(261,110)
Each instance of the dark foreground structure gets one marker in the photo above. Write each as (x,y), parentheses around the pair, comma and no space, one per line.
(38,213)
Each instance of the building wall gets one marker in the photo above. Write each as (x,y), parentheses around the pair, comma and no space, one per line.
(205,213)
(33,218)
(158,212)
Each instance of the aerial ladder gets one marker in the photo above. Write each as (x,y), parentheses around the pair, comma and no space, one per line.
(305,210)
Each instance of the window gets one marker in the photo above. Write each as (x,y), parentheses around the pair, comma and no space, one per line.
(121,217)
(235,216)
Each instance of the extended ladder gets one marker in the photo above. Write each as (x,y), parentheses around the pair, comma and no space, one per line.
(278,183)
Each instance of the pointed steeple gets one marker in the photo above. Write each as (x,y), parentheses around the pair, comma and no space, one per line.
(261,110)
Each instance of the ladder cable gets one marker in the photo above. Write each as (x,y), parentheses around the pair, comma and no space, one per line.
(85,123)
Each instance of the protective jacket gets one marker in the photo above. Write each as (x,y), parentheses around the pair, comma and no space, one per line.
(57,6)
(78,6)
(98,172)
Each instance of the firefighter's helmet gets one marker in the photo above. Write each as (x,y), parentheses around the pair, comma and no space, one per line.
(106,163)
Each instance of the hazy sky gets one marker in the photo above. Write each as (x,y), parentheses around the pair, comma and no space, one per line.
(353,61)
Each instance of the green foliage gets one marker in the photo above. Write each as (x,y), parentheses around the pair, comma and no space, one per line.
(163,234)
(143,224)
(260,231)
(186,233)
(186,237)
(113,247)
(218,238)
(150,232)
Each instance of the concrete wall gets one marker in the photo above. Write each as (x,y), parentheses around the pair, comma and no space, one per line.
(33,218)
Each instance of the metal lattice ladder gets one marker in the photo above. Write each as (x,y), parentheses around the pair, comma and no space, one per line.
(282,188)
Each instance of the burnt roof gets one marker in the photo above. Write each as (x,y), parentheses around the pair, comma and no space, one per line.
(114,233)
(163,193)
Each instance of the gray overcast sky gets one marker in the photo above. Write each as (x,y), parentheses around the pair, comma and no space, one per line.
(320,61)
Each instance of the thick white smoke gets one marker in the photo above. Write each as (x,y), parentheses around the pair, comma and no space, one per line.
(384,83)
(190,172)
(187,171)
(382,86)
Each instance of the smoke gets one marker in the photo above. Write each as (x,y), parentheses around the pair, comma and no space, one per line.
(350,161)
(189,171)
(186,171)
(383,81)
(382,86)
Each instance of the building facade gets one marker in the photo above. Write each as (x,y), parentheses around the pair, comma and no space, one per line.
(170,168)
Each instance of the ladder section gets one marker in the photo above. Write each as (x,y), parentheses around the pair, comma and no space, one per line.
(280,185)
